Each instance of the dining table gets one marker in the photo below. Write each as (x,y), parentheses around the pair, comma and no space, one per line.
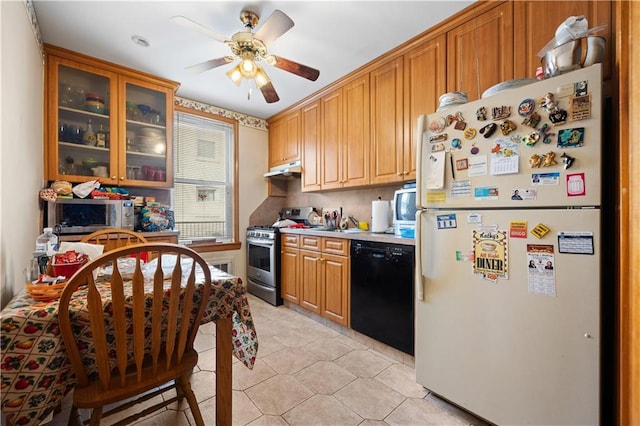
(35,371)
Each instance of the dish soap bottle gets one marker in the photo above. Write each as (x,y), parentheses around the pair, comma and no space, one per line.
(89,137)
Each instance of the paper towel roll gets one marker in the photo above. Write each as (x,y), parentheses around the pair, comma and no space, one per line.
(380,215)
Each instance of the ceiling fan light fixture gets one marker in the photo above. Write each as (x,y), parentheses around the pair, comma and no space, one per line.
(261,78)
(248,68)
(235,74)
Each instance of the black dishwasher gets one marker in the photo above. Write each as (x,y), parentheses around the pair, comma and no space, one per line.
(382,292)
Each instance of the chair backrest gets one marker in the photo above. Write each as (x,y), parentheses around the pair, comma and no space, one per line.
(114,238)
(156,322)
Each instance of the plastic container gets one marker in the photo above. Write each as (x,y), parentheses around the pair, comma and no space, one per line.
(66,269)
(47,242)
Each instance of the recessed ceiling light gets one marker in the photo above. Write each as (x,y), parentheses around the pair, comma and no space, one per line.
(140,41)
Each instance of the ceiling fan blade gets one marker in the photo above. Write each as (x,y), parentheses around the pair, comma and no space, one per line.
(269,93)
(295,68)
(182,20)
(275,25)
(210,64)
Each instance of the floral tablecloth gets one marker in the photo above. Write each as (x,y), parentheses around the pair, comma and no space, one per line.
(35,373)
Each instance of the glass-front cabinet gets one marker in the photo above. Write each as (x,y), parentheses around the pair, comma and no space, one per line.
(107,122)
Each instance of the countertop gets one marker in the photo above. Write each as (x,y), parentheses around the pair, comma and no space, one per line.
(363,236)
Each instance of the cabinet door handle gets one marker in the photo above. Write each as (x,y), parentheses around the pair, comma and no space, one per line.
(121,177)
(399,173)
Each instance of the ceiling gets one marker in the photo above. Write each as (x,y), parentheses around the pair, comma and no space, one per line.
(335,37)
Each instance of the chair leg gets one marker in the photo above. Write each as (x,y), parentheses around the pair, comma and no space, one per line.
(185,385)
(73,417)
(179,392)
(96,415)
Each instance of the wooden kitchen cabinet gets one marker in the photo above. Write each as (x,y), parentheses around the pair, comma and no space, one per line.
(357,140)
(310,141)
(311,280)
(290,268)
(335,288)
(336,280)
(425,79)
(315,275)
(135,122)
(387,151)
(284,139)
(332,140)
(480,52)
(531,33)
(344,150)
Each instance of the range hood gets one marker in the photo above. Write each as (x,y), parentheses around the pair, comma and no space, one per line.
(284,170)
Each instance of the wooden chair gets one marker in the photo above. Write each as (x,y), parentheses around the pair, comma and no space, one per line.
(114,238)
(125,366)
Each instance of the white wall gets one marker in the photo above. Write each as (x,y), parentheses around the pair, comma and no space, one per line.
(253,162)
(21,144)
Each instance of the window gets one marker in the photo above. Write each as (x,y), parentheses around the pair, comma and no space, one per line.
(205,175)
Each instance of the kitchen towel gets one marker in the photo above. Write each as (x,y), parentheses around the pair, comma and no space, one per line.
(380,215)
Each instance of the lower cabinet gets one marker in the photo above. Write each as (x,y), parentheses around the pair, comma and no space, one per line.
(315,275)
(290,269)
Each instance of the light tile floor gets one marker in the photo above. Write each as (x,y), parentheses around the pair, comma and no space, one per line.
(309,371)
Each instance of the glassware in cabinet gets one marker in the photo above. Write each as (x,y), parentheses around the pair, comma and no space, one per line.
(148,136)
(131,145)
(83,100)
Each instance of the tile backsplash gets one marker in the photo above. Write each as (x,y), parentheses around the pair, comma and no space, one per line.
(354,202)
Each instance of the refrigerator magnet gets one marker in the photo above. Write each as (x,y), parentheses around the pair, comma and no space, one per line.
(571,138)
(462,164)
(567,160)
(581,88)
(540,230)
(575,242)
(526,107)
(474,218)
(470,133)
(576,185)
(556,115)
(447,221)
(490,252)
(580,108)
(518,229)
(501,112)
(531,120)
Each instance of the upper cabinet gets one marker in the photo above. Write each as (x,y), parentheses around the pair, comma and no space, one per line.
(344,150)
(284,139)
(356,128)
(387,157)
(425,79)
(310,146)
(531,33)
(106,122)
(480,52)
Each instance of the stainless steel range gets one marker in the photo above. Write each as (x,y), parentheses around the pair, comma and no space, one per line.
(263,253)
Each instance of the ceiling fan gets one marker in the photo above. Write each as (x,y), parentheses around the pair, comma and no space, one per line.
(251,49)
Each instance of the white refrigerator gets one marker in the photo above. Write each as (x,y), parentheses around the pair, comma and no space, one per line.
(508,252)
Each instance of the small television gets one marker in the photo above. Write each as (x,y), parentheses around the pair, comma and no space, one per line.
(404,211)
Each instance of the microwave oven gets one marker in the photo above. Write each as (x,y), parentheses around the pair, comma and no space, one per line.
(404,210)
(80,216)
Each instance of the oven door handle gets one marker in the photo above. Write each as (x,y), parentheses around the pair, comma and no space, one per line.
(260,244)
(262,286)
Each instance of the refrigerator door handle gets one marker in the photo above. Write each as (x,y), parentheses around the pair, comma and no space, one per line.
(419,134)
(418,275)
